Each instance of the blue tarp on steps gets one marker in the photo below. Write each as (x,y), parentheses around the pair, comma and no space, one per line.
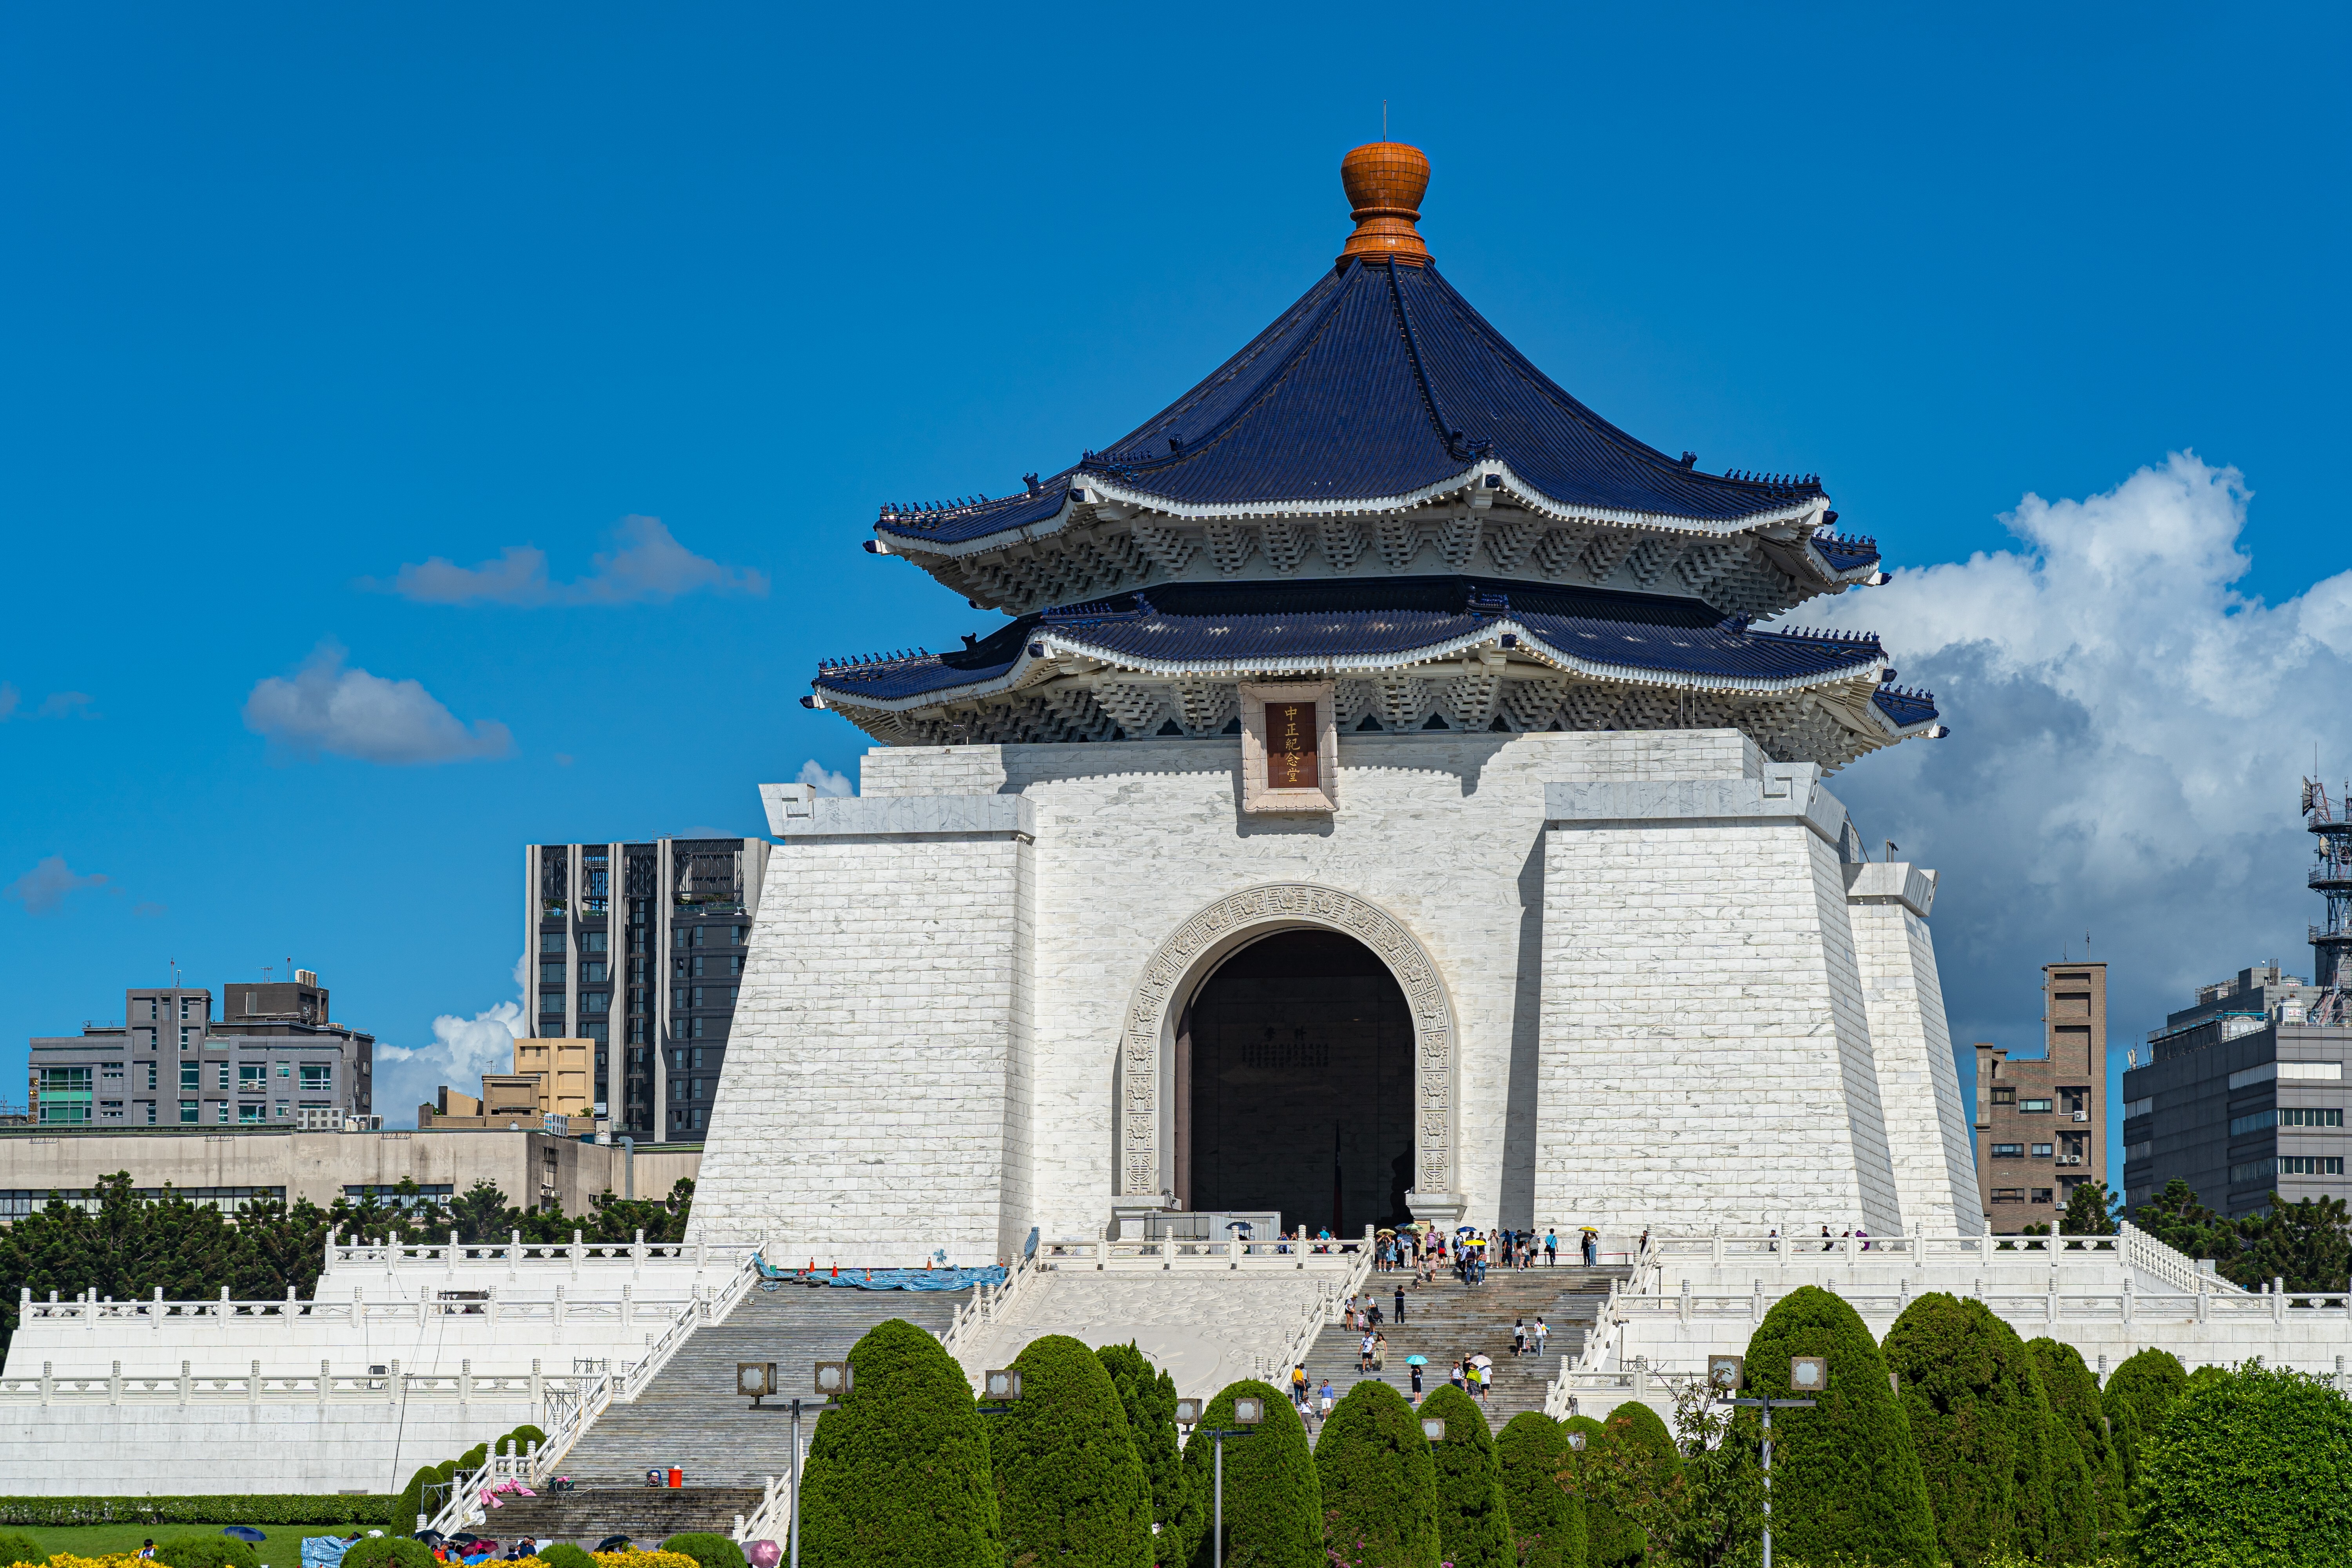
(889,1278)
(324,1551)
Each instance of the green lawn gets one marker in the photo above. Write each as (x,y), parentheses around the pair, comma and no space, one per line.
(282,1550)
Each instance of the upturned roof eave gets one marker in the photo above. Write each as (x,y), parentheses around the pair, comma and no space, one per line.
(1057,643)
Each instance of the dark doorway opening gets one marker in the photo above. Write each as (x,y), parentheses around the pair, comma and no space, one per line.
(1299,1058)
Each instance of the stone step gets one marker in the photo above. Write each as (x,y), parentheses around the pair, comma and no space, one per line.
(691,1415)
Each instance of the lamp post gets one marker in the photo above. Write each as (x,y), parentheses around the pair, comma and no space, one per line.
(1726,1374)
(1249,1410)
(832,1379)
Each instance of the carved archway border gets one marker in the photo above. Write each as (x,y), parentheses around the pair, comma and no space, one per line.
(1143,1126)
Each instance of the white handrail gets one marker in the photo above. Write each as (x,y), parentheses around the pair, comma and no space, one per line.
(772,1519)
(988,1306)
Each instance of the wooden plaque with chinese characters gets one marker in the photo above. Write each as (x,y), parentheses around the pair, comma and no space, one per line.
(1290,750)
(1293,746)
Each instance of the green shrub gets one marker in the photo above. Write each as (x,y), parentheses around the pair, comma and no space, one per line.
(898,1475)
(2137,1396)
(709,1550)
(1274,1504)
(1959,1392)
(389,1552)
(1069,1487)
(1633,1452)
(411,1502)
(1148,1398)
(1845,1476)
(2073,1396)
(206,1551)
(1474,1521)
(1547,1519)
(2045,1455)
(521,1440)
(2252,1467)
(1379,1480)
(564,1555)
(259,1509)
(14,1549)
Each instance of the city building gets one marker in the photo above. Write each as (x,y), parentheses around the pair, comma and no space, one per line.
(2041,1123)
(2244,1093)
(639,948)
(548,1087)
(534,1169)
(274,1058)
(1382,660)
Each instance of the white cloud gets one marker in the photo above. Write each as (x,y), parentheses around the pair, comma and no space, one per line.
(2128,734)
(327,708)
(48,884)
(649,565)
(814,773)
(55,705)
(463,1049)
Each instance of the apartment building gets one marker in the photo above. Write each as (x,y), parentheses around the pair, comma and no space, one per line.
(274,1058)
(2041,1128)
(639,947)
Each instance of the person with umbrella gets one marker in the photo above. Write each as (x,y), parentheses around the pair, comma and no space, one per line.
(1591,1246)
(1416,1363)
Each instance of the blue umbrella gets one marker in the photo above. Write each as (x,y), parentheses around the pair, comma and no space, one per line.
(244,1532)
(1416,1360)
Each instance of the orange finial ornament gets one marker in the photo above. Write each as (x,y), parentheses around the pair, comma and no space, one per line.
(1384,181)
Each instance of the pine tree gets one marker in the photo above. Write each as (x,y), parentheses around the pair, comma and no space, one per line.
(1148,1396)
(1274,1504)
(1474,1521)
(1959,1382)
(1632,1462)
(2075,1401)
(1547,1519)
(2253,1466)
(898,1476)
(1378,1479)
(1581,1476)
(1845,1476)
(2044,1454)
(2139,1395)
(1069,1487)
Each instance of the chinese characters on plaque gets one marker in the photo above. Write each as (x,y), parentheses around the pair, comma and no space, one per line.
(1292,742)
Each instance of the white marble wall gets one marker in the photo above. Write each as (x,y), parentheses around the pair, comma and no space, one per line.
(915,1064)
(1926,1125)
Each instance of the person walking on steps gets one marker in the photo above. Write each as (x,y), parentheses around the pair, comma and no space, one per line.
(1519,1337)
(1298,1387)
(1542,1333)
(1551,1247)
(1400,1304)
(1416,1382)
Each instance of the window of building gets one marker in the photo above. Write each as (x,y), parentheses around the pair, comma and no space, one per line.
(2004,1097)
(318,1077)
(251,1077)
(2071,1100)
(2041,1151)
(188,1109)
(150,1008)
(551,975)
(150,1110)
(2009,1150)
(2310,1166)
(2009,1195)
(65,1096)
(187,1006)
(221,1107)
(187,1039)
(2145,1107)
(593,942)
(2254,1123)
(594,973)
(595,1001)
(390,1196)
(151,1075)
(637,1031)
(249,1111)
(2033,1107)
(550,1004)
(2310,1116)
(2042,1195)
(221,1077)
(550,941)
(283,1111)
(190,1073)
(110,1069)
(2139,1152)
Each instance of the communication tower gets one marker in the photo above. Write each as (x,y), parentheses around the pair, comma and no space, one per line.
(2331,878)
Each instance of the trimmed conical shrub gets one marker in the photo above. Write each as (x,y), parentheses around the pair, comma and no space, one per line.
(1379,1481)
(2044,1454)
(2250,1465)
(1960,1373)
(1474,1521)
(1846,1481)
(1634,1449)
(2074,1395)
(1148,1398)
(1547,1519)
(1602,1527)
(1273,1507)
(2136,1397)
(898,1476)
(412,1500)
(1069,1487)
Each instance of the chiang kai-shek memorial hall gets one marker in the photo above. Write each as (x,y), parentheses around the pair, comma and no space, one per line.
(1386,790)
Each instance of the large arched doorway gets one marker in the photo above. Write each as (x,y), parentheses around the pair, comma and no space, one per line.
(1295,1079)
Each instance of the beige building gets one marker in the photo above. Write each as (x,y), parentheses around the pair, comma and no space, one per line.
(226,1168)
(548,1087)
(2041,1128)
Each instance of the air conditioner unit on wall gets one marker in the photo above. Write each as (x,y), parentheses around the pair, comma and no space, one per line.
(2082,1116)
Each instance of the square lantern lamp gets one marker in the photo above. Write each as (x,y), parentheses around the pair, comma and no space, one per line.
(833,1379)
(1188,1413)
(1726,1373)
(1809,1374)
(755,1380)
(1576,1441)
(1248,1410)
(1433,1428)
(1001,1383)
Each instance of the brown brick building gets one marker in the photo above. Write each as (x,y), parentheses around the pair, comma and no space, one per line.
(2040,1129)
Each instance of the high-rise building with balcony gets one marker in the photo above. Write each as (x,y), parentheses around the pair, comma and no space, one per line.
(639,947)
(2041,1126)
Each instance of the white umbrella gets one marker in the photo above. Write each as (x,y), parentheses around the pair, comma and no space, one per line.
(1482,1361)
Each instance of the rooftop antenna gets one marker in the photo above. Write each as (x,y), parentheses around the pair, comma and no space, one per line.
(1384,136)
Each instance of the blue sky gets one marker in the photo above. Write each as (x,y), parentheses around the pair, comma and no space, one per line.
(294,300)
